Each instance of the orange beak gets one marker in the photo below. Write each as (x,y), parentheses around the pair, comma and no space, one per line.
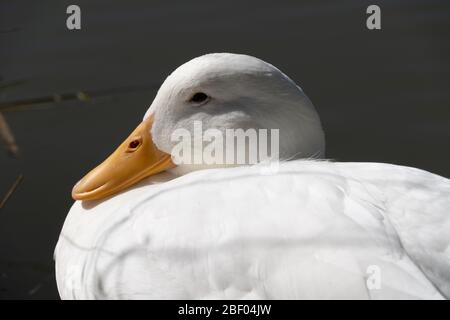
(135,159)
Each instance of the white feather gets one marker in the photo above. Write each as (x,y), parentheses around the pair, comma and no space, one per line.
(311,230)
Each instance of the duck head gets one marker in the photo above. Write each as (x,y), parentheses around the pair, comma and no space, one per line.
(215,93)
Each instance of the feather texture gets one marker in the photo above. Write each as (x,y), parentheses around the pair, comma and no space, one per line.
(312,230)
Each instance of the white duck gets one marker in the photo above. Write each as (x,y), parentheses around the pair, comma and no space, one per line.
(314,229)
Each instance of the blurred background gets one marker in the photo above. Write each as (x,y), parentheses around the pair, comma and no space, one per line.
(68,98)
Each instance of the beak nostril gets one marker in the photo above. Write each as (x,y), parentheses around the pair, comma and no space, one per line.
(134,144)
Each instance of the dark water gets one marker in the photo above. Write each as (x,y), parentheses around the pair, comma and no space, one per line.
(383,95)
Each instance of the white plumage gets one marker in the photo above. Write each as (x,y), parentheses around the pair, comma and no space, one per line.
(313,230)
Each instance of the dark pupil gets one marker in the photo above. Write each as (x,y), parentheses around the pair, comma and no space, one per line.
(134,144)
(199,97)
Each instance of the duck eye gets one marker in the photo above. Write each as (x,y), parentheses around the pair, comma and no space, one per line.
(199,97)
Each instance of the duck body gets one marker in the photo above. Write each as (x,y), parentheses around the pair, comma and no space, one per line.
(310,230)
